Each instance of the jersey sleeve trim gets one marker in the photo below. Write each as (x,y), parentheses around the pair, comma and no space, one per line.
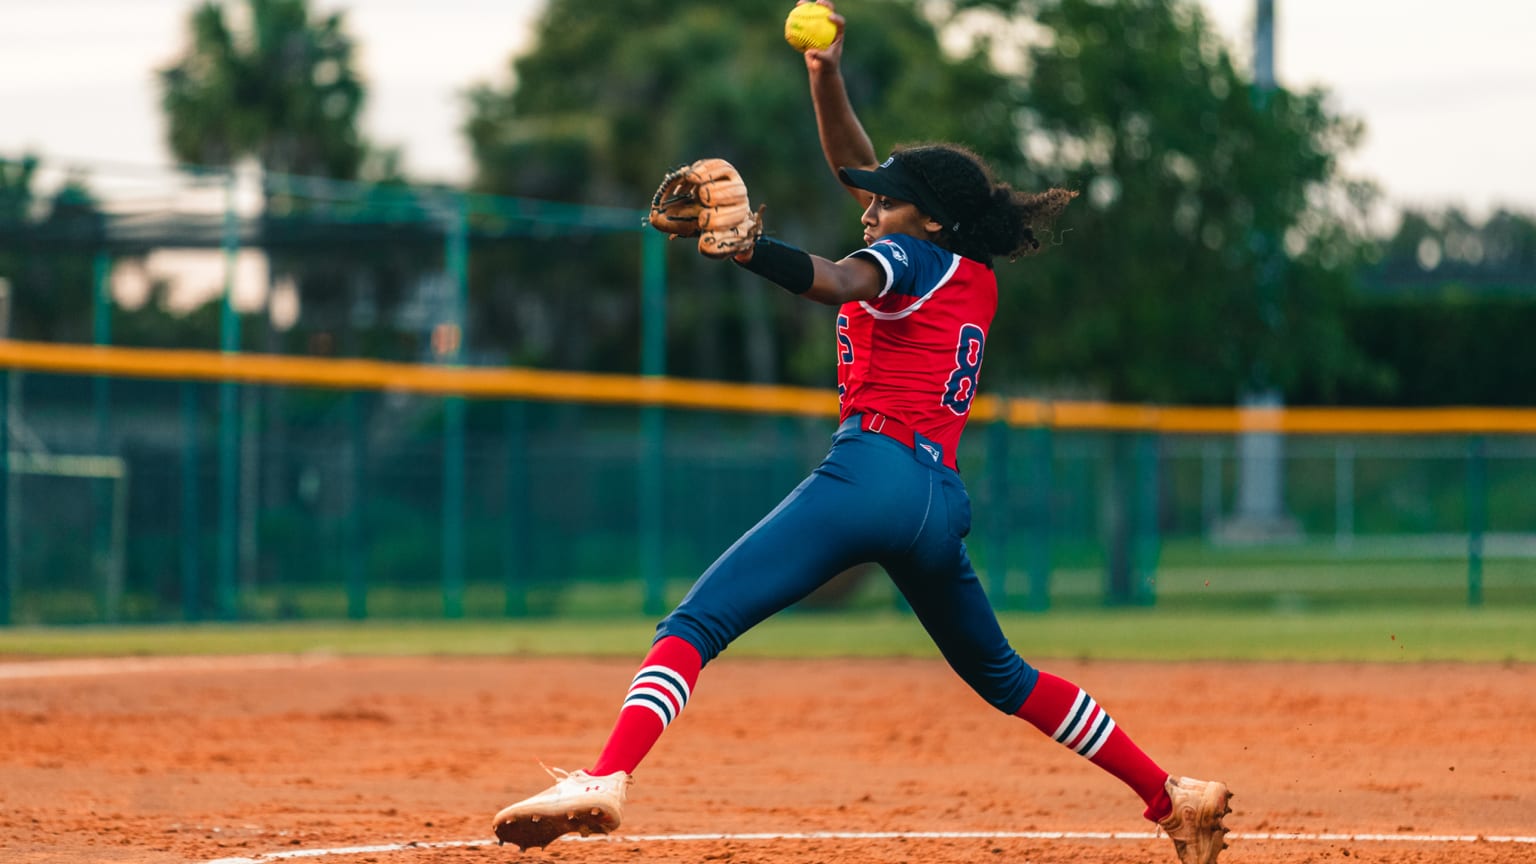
(954,265)
(885,267)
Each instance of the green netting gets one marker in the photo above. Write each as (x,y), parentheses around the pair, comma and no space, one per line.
(201,500)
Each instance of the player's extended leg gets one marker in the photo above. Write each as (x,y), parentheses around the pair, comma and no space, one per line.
(1074,719)
(592,801)
(849,510)
(938,581)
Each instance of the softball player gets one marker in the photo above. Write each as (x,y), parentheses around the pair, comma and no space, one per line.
(915,306)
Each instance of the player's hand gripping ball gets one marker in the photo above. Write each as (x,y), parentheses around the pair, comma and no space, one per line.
(707,200)
(809,27)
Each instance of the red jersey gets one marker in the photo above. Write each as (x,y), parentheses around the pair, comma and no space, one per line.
(914,352)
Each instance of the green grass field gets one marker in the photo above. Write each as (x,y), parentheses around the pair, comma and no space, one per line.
(1379,635)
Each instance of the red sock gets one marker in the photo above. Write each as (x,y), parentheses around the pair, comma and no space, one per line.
(1065,712)
(656,696)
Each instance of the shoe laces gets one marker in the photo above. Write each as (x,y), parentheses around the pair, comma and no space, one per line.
(561,775)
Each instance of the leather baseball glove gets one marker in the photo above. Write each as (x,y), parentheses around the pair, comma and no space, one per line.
(708,200)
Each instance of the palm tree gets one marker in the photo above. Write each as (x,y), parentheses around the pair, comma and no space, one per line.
(261,79)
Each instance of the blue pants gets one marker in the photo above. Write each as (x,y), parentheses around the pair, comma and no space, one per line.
(871,499)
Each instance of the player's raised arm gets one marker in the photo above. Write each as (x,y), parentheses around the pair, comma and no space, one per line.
(844,142)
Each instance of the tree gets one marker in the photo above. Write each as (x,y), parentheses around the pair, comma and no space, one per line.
(260,79)
(1446,308)
(612,95)
(1197,192)
(269,81)
(1448,254)
(46,254)
(1215,249)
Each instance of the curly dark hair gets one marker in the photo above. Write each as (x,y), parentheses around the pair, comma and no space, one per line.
(992,218)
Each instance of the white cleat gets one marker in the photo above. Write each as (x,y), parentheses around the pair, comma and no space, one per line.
(578,802)
(1195,824)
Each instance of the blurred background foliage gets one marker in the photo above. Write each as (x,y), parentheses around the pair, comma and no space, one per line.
(1218,245)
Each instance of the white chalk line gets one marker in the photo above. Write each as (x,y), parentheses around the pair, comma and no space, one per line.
(75,667)
(266,857)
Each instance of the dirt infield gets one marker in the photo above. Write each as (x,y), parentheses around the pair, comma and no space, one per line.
(267,758)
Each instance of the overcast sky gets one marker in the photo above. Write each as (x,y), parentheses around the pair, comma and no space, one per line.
(1447,90)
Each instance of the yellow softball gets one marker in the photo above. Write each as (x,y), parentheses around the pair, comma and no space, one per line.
(809,28)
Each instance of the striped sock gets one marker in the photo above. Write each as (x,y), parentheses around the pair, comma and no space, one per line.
(1075,720)
(656,696)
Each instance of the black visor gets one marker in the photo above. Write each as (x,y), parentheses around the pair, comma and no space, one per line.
(893,179)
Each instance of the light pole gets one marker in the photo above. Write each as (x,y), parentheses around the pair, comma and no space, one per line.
(1260,502)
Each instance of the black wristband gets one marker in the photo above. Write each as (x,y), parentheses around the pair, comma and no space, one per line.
(786,266)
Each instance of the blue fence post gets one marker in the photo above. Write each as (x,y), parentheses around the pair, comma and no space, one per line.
(1041,454)
(515,531)
(191,523)
(453,507)
(1477,515)
(353,541)
(653,362)
(1147,545)
(450,350)
(229,415)
(998,518)
(101,394)
(7,571)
